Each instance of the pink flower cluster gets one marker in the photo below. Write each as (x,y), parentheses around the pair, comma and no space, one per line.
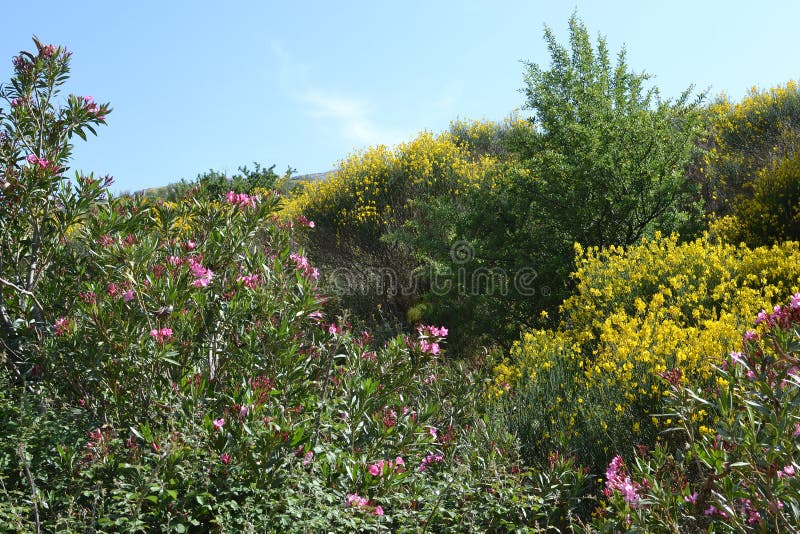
(301,264)
(61,326)
(218,424)
(430,459)
(252,281)
(303,221)
(162,335)
(92,107)
(387,466)
(35,160)
(242,200)
(787,471)
(202,275)
(354,500)
(781,316)
(617,480)
(431,332)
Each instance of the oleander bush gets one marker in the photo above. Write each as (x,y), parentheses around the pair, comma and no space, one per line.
(742,474)
(168,367)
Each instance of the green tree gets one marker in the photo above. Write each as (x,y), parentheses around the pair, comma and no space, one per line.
(602,164)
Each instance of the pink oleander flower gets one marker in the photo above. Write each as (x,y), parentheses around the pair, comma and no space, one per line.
(163,335)
(398,462)
(750,335)
(795,301)
(378,511)
(218,424)
(433,432)
(303,221)
(616,480)
(691,498)
(252,281)
(796,432)
(357,501)
(430,348)
(128,295)
(301,264)
(376,469)
(202,275)
(334,329)
(225,458)
(308,458)
(61,326)
(35,160)
(429,459)
(241,200)
(760,318)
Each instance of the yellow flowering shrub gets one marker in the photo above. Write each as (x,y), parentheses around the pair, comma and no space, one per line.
(374,190)
(771,213)
(366,213)
(637,312)
(745,137)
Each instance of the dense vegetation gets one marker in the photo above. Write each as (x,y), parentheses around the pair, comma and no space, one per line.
(587,320)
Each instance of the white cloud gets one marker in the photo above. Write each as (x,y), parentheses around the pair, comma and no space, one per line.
(353,118)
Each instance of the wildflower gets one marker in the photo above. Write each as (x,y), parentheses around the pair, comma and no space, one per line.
(795,301)
(796,432)
(128,295)
(225,458)
(433,431)
(218,424)
(737,357)
(376,469)
(308,458)
(378,511)
(691,498)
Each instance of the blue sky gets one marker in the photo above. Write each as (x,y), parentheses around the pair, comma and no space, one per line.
(197,85)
